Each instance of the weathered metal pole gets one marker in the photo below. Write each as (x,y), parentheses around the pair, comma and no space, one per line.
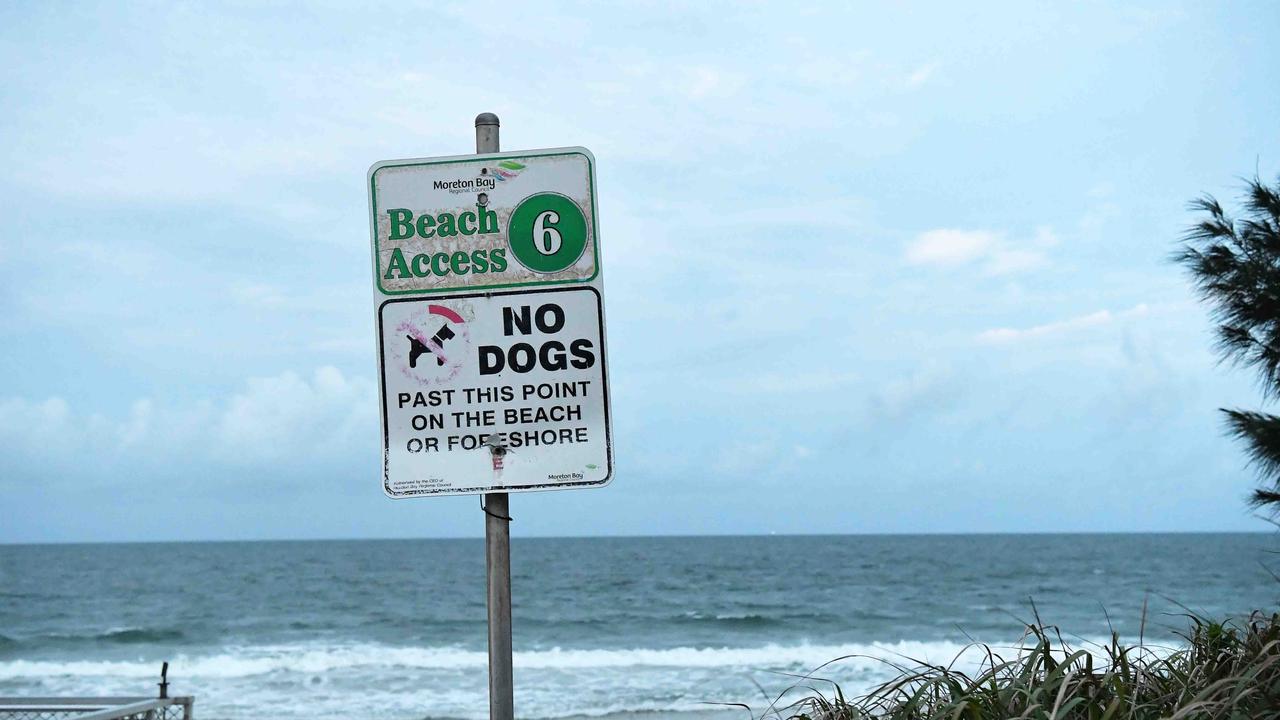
(497,541)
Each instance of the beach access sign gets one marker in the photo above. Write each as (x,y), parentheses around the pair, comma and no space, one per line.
(490,323)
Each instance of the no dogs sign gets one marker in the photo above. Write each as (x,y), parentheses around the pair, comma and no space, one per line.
(490,323)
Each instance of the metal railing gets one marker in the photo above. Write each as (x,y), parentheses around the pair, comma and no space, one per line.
(104,708)
(101,708)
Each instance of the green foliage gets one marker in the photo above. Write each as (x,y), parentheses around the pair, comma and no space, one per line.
(1235,265)
(1224,672)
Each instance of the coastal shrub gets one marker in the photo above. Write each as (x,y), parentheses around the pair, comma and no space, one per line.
(1222,670)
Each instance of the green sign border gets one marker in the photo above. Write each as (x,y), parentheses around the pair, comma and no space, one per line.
(591,189)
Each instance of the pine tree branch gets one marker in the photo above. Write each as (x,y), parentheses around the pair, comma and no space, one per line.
(1260,433)
(1235,267)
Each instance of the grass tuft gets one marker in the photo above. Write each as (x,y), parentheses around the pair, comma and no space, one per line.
(1224,670)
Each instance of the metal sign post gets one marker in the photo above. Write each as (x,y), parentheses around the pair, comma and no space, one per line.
(497,540)
(492,358)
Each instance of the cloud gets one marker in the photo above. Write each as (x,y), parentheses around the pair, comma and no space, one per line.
(32,423)
(271,422)
(707,82)
(137,427)
(921,75)
(276,418)
(787,383)
(760,455)
(926,390)
(949,247)
(1061,327)
(1008,262)
(258,295)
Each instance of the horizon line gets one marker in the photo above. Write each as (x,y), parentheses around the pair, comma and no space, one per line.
(210,541)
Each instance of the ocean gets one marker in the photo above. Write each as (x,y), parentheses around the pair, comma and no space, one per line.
(659,627)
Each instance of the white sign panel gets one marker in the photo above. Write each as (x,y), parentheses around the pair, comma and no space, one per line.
(479,222)
(490,323)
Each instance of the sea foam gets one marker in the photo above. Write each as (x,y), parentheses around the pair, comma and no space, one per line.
(248,661)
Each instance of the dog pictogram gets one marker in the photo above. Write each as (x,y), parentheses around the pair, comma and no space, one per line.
(417,347)
(414,344)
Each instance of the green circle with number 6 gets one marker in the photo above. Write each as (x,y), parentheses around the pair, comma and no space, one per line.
(547,232)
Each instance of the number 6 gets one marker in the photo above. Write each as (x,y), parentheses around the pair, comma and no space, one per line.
(546,238)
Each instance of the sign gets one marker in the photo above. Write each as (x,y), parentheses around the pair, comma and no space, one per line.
(482,222)
(490,324)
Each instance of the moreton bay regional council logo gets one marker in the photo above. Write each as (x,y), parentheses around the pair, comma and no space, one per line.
(487,179)
(429,346)
(505,170)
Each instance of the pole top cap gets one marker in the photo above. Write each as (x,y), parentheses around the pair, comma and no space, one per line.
(486,119)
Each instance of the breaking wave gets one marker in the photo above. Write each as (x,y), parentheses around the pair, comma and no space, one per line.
(311,658)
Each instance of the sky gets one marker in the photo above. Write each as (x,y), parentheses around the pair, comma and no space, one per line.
(869,268)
